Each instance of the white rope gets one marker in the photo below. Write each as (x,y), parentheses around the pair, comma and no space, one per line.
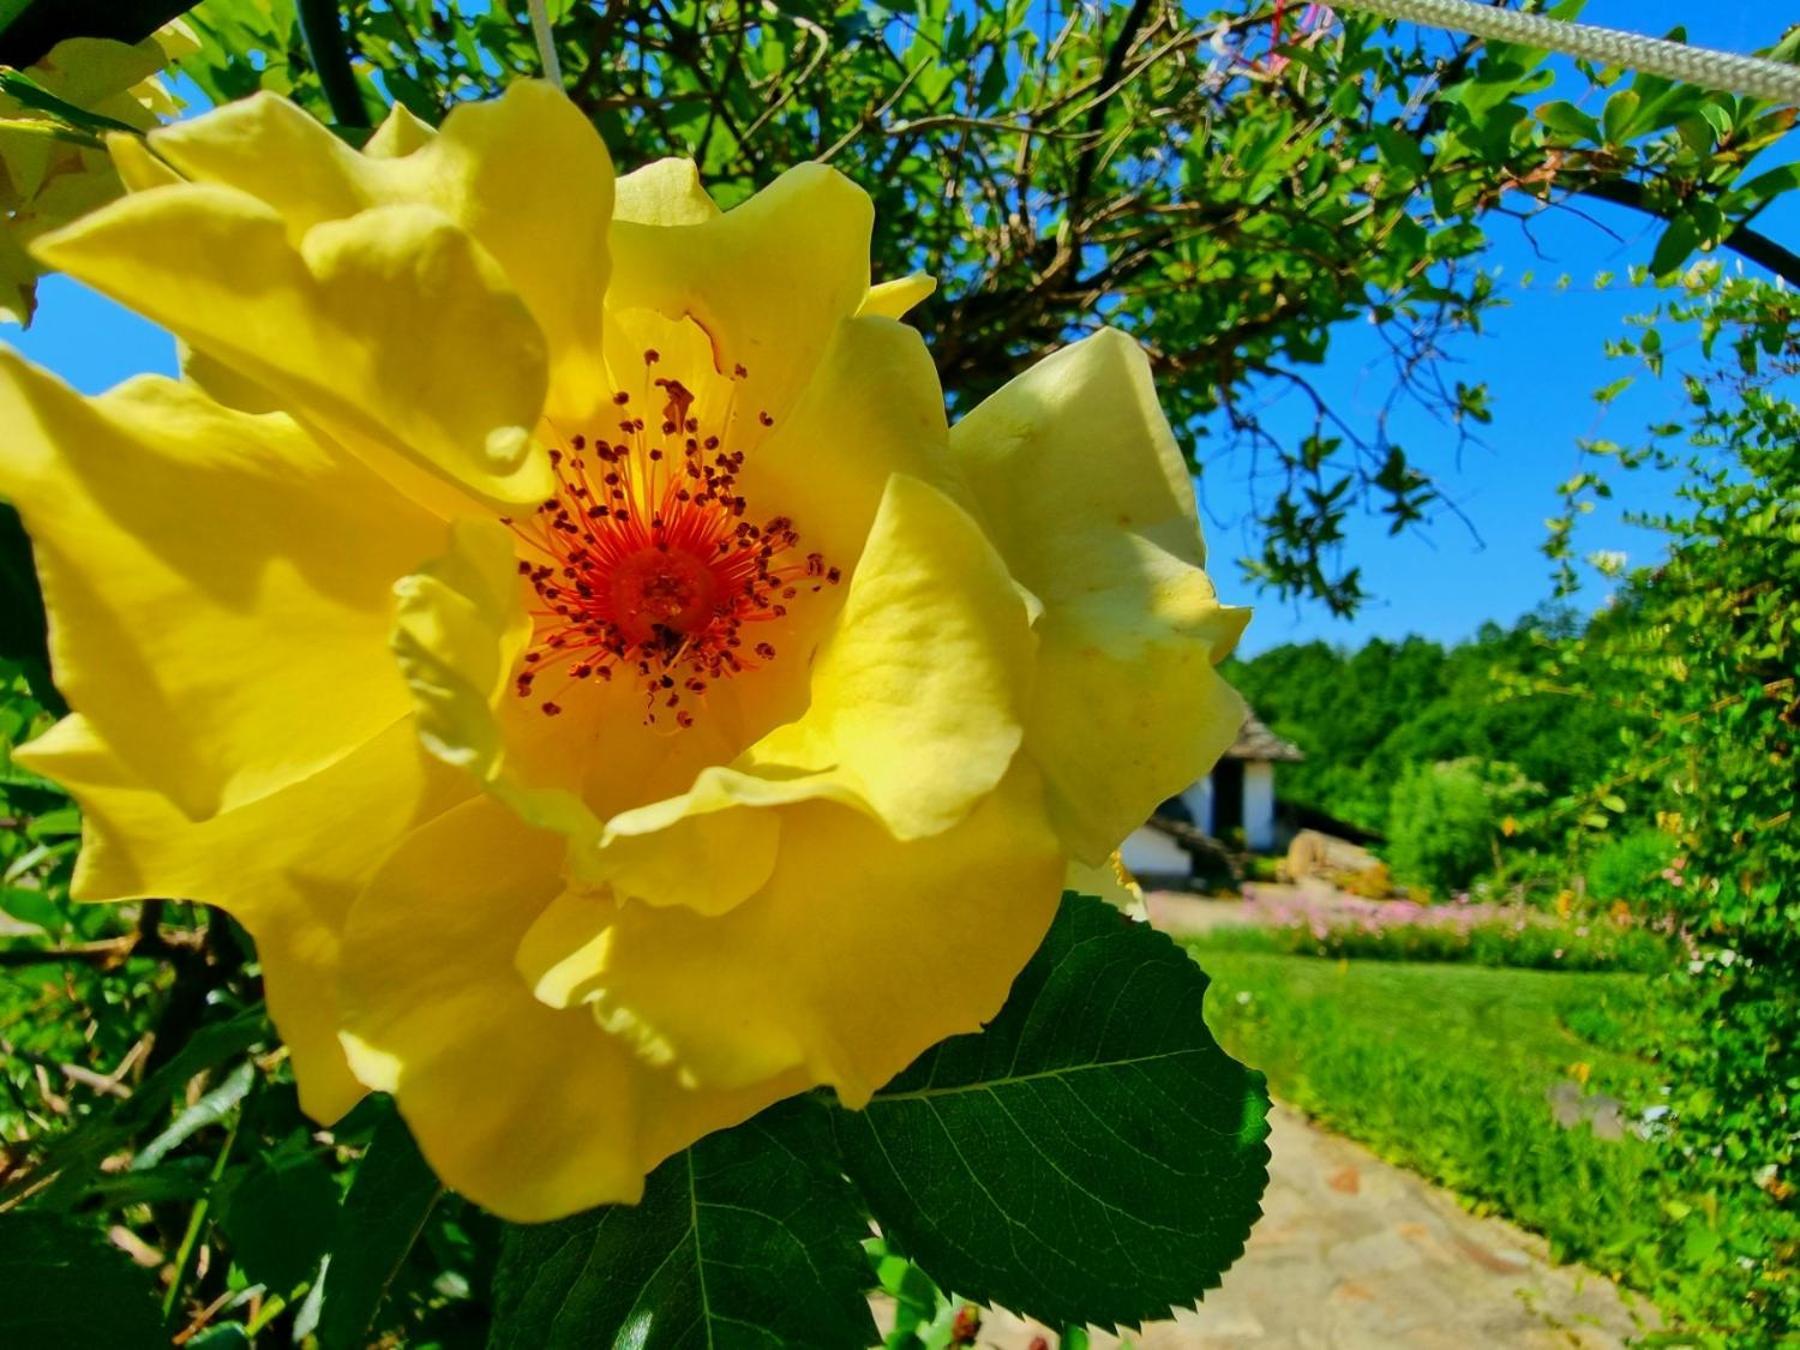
(546,42)
(1754,75)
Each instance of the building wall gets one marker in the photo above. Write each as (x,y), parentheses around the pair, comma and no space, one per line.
(1259,805)
(1151,854)
(1199,801)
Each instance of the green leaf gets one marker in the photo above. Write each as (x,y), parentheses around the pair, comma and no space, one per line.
(1568,120)
(747,1238)
(1620,112)
(279,1217)
(389,1202)
(64,1286)
(1093,1156)
(1677,243)
(209,1110)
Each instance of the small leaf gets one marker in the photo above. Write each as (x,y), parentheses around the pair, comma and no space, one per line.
(1568,120)
(1620,111)
(747,1238)
(1093,1156)
(1676,244)
(64,1286)
(389,1202)
(209,1110)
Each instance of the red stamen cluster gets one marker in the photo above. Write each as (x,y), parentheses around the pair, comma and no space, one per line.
(644,566)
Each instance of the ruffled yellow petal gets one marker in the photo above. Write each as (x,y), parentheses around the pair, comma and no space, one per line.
(666,192)
(399,134)
(314,845)
(524,174)
(916,696)
(1083,489)
(769,280)
(871,408)
(219,584)
(859,953)
(531,1112)
(390,329)
(892,299)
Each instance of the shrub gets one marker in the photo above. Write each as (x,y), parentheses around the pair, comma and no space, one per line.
(1441,826)
(1626,868)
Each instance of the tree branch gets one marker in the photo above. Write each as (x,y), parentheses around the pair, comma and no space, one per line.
(1743,240)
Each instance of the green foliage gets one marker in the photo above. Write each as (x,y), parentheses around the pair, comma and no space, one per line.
(1706,647)
(1368,717)
(749,1237)
(1628,867)
(1443,824)
(1092,1156)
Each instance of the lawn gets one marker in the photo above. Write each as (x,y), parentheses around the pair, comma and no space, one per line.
(1450,1070)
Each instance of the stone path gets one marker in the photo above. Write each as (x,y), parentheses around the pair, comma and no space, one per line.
(1353,1253)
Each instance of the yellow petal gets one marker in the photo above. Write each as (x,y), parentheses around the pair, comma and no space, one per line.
(859,953)
(917,695)
(389,329)
(1084,492)
(892,299)
(666,192)
(139,168)
(531,1112)
(399,134)
(769,280)
(313,844)
(872,408)
(525,175)
(219,584)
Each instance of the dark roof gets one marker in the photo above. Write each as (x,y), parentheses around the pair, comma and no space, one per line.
(1256,741)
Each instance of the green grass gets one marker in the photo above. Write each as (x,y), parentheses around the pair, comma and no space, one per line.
(1447,1070)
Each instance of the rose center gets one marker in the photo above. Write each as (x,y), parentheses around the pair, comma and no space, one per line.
(644,564)
(669,590)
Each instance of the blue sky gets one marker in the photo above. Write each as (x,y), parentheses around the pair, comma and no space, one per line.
(1542,357)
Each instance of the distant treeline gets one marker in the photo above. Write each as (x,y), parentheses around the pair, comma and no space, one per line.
(1367,717)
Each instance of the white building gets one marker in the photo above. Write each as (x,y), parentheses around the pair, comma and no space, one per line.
(1231,810)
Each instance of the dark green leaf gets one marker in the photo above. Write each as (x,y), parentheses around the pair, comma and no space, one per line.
(65,1287)
(279,1217)
(389,1201)
(1677,242)
(1093,1156)
(746,1239)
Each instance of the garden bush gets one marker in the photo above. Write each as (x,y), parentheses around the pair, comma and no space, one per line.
(1626,868)
(1441,826)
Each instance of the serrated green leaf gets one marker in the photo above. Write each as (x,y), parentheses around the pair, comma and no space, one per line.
(1093,1156)
(749,1238)
(389,1202)
(65,1287)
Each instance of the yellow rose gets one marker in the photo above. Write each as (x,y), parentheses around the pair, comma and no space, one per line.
(48,175)
(746,720)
